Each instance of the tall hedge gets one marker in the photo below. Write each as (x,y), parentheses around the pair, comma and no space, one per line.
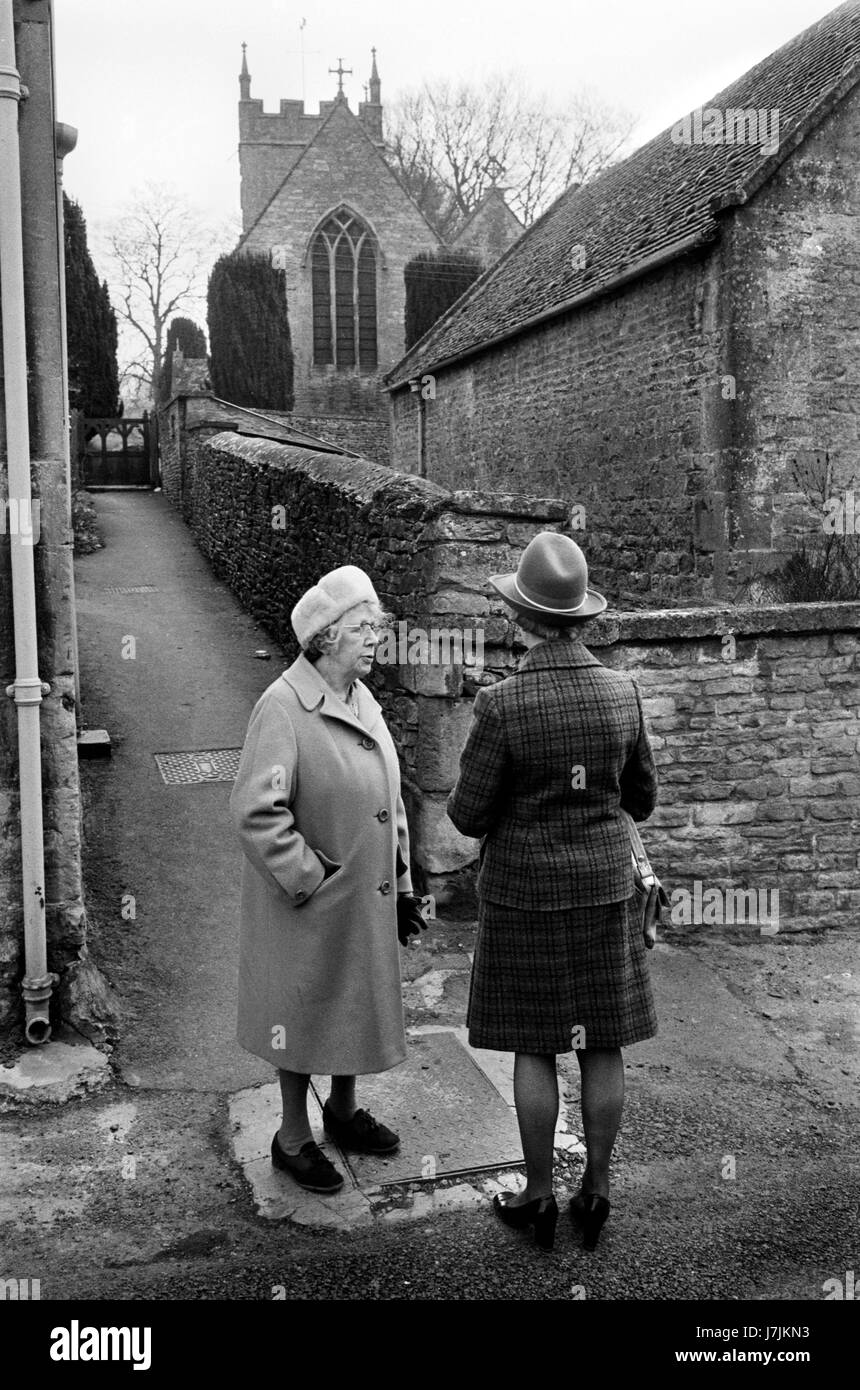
(434,280)
(189,337)
(90,324)
(251,358)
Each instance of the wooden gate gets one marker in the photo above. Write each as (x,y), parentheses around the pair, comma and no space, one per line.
(119,452)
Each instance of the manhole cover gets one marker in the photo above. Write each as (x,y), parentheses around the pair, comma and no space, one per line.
(132,589)
(206,765)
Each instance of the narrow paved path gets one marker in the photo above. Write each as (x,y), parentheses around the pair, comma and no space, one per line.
(190,685)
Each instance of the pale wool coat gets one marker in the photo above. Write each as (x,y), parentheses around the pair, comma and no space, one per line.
(318,791)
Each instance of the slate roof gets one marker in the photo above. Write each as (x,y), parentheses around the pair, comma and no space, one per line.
(657,203)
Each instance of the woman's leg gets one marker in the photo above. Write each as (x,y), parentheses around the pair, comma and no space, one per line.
(295,1129)
(602,1071)
(342,1098)
(536,1100)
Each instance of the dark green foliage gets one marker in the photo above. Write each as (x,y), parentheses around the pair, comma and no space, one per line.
(821,571)
(434,280)
(91,325)
(824,568)
(186,335)
(251,359)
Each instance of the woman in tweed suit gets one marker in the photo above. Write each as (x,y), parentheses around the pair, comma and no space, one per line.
(553,754)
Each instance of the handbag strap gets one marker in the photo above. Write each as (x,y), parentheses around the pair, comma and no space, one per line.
(640,854)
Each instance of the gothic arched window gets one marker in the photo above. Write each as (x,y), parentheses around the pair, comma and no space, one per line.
(343,269)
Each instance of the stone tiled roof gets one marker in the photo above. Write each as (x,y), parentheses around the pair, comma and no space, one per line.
(661,200)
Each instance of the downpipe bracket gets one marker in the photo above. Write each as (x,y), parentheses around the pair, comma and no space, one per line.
(10,83)
(28,691)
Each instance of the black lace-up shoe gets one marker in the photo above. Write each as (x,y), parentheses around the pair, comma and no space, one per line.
(362,1134)
(310,1167)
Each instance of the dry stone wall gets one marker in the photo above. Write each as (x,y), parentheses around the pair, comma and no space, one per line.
(753,712)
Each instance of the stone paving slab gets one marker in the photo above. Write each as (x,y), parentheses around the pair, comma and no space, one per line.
(456,1122)
(450,1117)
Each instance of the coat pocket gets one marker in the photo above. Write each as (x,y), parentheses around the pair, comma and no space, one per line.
(334,872)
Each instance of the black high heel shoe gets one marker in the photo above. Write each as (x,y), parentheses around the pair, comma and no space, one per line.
(542,1214)
(589,1211)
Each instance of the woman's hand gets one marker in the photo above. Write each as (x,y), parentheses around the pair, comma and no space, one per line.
(410,919)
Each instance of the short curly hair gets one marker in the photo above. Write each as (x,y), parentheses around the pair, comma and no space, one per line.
(316,645)
(548,631)
(327,636)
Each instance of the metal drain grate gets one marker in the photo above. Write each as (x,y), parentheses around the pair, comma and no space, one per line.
(205,765)
(133,589)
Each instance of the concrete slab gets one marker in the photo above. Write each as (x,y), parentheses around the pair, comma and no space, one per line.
(53,1073)
(498,1067)
(255,1114)
(450,1118)
(453,1108)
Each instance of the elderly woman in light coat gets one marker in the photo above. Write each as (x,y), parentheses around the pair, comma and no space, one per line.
(326,888)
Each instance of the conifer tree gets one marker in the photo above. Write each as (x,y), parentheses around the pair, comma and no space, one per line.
(90,325)
(251,359)
(434,280)
(189,337)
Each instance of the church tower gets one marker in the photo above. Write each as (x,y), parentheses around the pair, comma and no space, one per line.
(319,198)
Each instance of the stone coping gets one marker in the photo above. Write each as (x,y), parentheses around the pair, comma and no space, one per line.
(679,624)
(347,472)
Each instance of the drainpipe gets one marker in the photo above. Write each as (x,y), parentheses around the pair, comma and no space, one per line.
(415,388)
(65,140)
(28,689)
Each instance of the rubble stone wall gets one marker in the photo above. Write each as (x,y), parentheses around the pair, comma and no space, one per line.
(753,712)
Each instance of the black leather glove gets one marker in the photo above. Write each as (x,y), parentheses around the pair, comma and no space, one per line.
(410,920)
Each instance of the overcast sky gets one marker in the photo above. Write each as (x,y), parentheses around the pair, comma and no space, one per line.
(152,87)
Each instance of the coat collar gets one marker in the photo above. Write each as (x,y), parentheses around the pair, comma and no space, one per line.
(556,655)
(313,692)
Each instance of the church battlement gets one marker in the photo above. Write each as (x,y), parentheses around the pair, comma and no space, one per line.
(271,142)
(290,122)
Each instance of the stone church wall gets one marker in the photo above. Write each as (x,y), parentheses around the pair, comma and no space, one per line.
(753,711)
(342,167)
(369,437)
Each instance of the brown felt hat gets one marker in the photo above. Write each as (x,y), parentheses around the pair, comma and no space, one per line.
(551,582)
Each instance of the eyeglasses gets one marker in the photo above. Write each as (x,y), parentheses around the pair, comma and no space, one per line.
(364,627)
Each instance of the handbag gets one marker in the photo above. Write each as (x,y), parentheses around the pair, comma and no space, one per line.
(650,894)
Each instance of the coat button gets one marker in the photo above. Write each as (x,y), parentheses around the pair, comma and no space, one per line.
(367,743)
(301,895)
(385,886)
(382,815)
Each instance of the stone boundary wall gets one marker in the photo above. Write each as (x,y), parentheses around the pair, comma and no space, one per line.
(369,437)
(753,712)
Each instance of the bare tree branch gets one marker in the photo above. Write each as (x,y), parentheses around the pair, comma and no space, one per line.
(444,142)
(157,255)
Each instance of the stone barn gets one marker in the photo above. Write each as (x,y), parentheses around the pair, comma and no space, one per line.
(675,346)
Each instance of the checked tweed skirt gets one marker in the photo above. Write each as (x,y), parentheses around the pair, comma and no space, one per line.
(537,976)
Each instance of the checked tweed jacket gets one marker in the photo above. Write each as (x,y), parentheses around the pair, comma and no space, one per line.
(553,752)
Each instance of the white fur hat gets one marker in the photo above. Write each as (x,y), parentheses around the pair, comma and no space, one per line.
(329,599)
